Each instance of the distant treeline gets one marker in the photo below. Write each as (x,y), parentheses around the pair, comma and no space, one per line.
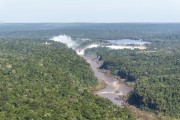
(91,31)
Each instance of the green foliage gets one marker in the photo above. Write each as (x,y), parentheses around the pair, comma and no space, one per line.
(156,74)
(52,82)
(45,82)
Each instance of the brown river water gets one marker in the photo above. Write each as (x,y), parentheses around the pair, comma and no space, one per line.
(114,87)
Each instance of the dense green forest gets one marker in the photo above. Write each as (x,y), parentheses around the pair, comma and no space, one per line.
(155,72)
(45,82)
(50,81)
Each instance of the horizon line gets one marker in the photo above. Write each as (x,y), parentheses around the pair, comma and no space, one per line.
(89,22)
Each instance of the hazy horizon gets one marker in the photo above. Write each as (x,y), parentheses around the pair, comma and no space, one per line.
(2,22)
(89,11)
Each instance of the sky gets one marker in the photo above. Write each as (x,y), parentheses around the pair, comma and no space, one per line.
(94,11)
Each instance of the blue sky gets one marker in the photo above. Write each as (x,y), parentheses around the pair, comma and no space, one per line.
(107,11)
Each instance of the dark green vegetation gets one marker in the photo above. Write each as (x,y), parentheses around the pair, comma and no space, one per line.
(39,81)
(47,81)
(51,82)
(156,76)
(156,72)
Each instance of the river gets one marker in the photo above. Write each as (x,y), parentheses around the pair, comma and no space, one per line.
(113,89)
